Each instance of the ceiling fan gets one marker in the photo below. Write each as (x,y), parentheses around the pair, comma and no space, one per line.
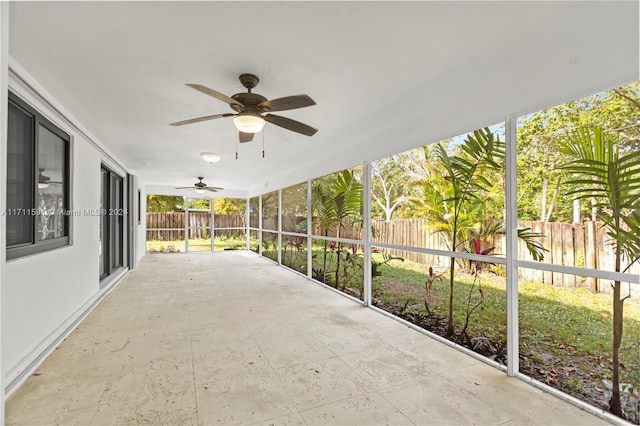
(252,110)
(201,187)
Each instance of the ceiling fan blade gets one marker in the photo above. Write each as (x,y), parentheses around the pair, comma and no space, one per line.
(210,189)
(199,119)
(184,187)
(245,137)
(288,102)
(217,95)
(289,124)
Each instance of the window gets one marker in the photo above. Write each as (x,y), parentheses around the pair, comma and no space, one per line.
(37,182)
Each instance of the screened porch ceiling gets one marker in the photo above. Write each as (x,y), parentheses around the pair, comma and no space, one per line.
(386,76)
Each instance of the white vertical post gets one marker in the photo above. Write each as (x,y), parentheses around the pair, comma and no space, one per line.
(4,101)
(247,224)
(511,208)
(186,223)
(309,232)
(279,226)
(213,223)
(366,264)
(260,225)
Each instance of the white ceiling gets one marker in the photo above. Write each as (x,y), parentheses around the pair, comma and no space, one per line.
(386,76)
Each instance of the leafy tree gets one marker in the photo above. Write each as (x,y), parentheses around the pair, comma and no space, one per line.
(164,203)
(388,186)
(611,177)
(228,206)
(200,204)
(471,176)
(336,207)
(465,183)
(541,134)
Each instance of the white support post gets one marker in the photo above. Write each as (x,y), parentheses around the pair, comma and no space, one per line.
(511,208)
(279,226)
(309,232)
(213,223)
(247,223)
(186,223)
(260,225)
(366,198)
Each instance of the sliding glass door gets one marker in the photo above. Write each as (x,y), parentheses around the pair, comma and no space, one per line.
(111,223)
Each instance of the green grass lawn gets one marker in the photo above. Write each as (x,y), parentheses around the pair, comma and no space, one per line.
(198,244)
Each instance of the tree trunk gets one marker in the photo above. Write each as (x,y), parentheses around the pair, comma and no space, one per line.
(553,200)
(543,201)
(452,267)
(615,407)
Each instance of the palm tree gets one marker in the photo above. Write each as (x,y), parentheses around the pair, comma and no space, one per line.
(335,206)
(611,179)
(469,177)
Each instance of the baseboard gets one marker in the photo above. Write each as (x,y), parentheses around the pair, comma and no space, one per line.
(17,374)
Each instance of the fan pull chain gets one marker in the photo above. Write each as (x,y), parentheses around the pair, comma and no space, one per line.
(263,142)
(237,141)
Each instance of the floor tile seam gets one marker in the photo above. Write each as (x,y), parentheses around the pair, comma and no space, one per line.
(195,386)
(384,388)
(95,410)
(73,370)
(261,422)
(352,397)
(47,419)
(396,407)
(278,378)
(298,364)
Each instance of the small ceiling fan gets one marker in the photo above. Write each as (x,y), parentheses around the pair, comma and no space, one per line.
(201,187)
(252,110)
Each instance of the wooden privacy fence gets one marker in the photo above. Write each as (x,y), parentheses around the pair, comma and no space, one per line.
(584,244)
(169,226)
(580,245)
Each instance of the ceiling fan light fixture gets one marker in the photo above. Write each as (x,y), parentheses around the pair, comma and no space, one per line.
(200,191)
(210,157)
(42,185)
(249,123)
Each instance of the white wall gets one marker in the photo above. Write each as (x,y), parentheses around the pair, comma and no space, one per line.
(44,294)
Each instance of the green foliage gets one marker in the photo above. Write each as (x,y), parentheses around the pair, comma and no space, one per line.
(541,134)
(376,264)
(229,206)
(388,185)
(336,203)
(163,203)
(612,179)
(200,204)
(602,173)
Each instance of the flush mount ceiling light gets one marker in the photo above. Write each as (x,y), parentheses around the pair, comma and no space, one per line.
(249,123)
(210,157)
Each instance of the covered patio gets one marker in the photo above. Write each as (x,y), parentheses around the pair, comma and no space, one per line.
(232,338)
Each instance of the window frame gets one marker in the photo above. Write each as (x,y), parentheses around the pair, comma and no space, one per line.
(36,246)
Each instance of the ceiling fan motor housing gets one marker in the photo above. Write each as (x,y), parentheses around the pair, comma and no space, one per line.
(249,101)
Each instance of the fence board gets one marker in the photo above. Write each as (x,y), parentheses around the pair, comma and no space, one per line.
(581,245)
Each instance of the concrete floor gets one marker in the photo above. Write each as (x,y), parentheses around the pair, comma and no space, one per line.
(230,338)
